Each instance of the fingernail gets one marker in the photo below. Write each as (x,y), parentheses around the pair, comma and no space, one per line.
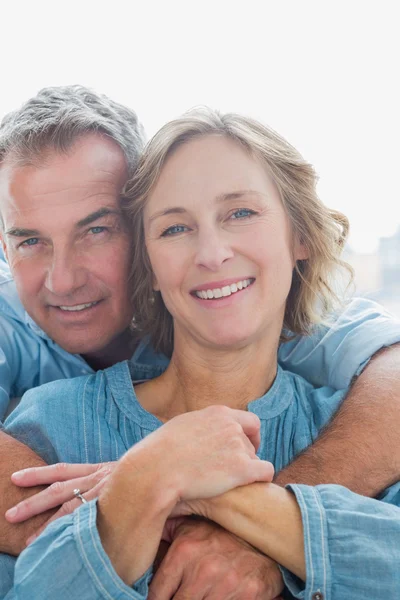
(12,512)
(17,475)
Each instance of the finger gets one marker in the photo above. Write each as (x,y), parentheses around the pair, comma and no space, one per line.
(55,495)
(166,581)
(250,424)
(261,470)
(66,509)
(51,473)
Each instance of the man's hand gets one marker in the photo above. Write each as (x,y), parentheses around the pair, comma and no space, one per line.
(62,480)
(205,562)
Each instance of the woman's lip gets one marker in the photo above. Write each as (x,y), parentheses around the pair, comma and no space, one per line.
(219,284)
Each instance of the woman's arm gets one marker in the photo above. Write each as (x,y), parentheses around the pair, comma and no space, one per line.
(342,545)
(107,546)
(267,517)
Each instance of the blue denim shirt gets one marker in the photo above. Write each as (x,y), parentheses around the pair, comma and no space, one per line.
(352,543)
(332,356)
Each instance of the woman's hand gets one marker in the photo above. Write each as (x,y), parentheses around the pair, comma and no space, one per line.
(205,453)
(62,479)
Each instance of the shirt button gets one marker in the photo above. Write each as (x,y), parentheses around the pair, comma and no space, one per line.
(318,596)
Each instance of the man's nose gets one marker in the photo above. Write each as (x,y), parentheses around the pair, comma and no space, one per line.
(65,274)
(213,249)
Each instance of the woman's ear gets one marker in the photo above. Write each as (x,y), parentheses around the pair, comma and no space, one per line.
(300,251)
(156,287)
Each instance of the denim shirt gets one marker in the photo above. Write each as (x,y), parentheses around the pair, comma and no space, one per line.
(352,543)
(331,356)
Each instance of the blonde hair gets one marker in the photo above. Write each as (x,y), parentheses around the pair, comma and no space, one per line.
(321,230)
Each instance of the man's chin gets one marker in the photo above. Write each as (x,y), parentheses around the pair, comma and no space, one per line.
(80,343)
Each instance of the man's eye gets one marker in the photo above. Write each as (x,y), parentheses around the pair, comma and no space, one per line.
(242,213)
(30,242)
(98,229)
(173,230)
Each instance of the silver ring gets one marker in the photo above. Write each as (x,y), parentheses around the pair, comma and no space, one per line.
(78,494)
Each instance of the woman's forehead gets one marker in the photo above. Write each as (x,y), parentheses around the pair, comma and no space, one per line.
(209,167)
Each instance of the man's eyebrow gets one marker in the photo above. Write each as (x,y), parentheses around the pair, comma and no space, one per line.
(98,214)
(19,232)
(220,198)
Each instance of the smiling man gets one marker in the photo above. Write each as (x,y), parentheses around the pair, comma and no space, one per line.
(65,310)
(68,249)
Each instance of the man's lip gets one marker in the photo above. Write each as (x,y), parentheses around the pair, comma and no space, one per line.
(74,304)
(219,284)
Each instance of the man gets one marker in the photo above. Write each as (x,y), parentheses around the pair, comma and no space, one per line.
(65,311)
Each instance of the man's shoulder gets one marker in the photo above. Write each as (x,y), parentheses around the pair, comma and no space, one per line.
(10,304)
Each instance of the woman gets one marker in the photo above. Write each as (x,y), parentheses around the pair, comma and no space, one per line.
(232,247)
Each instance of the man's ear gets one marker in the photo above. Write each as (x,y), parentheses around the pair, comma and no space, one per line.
(3,245)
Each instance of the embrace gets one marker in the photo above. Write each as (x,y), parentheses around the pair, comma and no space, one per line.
(189,287)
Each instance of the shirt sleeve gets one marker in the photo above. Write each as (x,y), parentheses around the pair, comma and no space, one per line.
(68,561)
(334,354)
(351,544)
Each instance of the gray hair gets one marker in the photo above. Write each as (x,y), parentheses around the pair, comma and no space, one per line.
(58,116)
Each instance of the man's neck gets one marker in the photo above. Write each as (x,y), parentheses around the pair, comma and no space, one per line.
(119,349)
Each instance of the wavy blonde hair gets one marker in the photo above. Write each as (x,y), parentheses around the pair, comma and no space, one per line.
(322,231)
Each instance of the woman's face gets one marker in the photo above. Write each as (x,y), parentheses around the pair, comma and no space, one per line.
(220,244)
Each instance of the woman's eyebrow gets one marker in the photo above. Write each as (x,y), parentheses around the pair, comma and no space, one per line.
(168,211)
(237,195)
(220,198)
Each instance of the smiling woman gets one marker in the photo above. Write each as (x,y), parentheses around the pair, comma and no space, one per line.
(214,187)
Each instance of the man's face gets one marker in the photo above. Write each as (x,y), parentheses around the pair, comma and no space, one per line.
(66,243)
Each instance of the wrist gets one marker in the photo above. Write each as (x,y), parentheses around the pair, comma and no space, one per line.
(132,510)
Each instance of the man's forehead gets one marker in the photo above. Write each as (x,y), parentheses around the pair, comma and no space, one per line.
(64,183)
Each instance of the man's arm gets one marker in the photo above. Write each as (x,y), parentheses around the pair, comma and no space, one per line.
(359,449)
(13,457)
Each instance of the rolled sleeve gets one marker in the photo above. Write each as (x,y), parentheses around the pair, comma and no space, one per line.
(351,545)
(318,569)
(333,355)
(68,560)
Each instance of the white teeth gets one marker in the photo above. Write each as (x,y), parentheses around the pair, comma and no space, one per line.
(227,290)
(77,307)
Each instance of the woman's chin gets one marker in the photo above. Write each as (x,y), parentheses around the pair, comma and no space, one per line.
(229,340)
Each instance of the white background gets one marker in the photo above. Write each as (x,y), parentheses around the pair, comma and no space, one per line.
(324,74)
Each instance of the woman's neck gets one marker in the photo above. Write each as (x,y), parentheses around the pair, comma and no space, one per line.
(198,377)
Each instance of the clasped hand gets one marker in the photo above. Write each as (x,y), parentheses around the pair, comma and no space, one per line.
(206,453)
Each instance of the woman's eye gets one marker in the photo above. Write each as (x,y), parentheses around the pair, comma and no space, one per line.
(174,230)
(242,213)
